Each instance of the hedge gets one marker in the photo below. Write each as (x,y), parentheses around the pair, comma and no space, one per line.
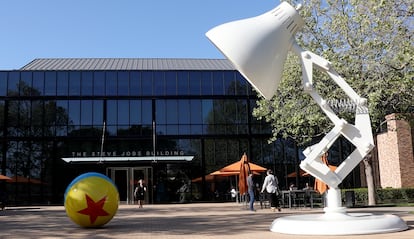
(382,196)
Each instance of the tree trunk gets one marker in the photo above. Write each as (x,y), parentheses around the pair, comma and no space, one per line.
(370,180)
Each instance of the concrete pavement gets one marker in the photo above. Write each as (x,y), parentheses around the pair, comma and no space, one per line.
(175,221)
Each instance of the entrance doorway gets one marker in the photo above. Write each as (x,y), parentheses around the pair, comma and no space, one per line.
(126,179)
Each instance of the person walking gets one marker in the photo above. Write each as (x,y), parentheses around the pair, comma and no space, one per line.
(271,185)
(250,191)
(139,193)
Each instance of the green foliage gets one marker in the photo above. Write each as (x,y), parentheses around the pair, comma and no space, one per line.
(369,43)
(383,196)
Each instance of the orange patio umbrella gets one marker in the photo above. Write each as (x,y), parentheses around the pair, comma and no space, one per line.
(244,170)
(320,186)
(235,167)
(301,173)
(4,177)
(22,179)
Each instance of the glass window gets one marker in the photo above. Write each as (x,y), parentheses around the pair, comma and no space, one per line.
(25,81)
(62,83)
(196,114)
(159,83)
(61,120)
(206,84)
(123,112)
(123,83)
(160,110)
(171,83)
(112,112)
(229,83)
(146,112)
(111,83)
(74,112)
(135,112)
(172,129)
(172,112)
(218,86)
(87,83)
(39,82)
(241,88)
(182,83)
(99,83)
(3,83)
(38,112)
(98,112)
(196,129)
(146,82)
(184,111)
(13,84)
(184,129)
(50,83)
(195,82)
(207,111)
(74,83)
(135,83)
(86,112)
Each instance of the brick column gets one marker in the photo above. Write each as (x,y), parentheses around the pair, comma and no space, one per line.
(395,154)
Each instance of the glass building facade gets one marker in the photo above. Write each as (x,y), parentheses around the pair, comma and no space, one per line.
(167,121)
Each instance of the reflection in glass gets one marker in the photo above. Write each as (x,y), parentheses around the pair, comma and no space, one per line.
(147,112)
(13,84)
(135,112)
(184,111)
(111,83)
(218,85)
(123,112)
(135,83)
(74,83)
(86,112)
(50,83)
(111,112)
(74,112)
(206,83)
(146,82)
(99,83)
(123,83)
(26,80)
(98,113)
(62,83)
(39,82)
(159,83)
(171,83)
(172,111)
(182,83)
(87,83)
(3,83)
(195,82)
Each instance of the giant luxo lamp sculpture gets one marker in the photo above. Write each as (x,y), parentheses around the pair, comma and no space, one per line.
(258,47)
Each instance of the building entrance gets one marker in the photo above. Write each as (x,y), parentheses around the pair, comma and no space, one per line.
(126,179)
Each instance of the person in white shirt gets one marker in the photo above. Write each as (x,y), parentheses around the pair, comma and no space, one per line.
(271,184)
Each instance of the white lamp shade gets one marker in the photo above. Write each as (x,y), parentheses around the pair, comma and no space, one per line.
(258,46)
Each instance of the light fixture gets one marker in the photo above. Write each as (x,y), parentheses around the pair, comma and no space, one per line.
(258,48)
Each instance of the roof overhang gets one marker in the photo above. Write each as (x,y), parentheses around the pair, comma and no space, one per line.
(127,159)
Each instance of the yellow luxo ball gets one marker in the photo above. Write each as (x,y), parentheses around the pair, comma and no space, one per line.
(91,200)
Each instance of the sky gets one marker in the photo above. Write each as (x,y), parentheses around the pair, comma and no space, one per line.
(115,28)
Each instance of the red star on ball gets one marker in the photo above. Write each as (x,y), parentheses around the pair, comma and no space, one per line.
(94,209)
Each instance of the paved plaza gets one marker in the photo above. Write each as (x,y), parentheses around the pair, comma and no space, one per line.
(175,221)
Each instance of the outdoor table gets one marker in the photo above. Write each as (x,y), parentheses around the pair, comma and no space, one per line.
(290,195)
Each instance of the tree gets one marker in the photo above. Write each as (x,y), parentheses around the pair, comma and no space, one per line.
(369,43)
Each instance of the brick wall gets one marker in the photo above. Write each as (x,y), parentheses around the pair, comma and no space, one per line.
(395,154)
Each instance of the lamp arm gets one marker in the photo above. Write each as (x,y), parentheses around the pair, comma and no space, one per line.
(359,134)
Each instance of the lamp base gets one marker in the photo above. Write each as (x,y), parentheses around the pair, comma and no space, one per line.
(338,223)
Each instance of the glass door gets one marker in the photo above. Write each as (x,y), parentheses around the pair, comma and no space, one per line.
(126,179)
